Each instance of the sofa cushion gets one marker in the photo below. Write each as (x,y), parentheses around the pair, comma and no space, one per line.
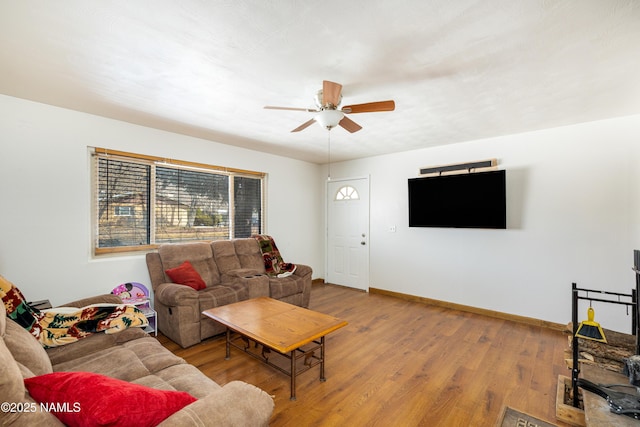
(26,349)
(185,274)
(224,253)
(249,254)
(116,362)
(94,399)
(183,377)
(129,361)
(217,296)
(3,322)
(12,389)
(92,344)
(198,253)
(11,386)
(153,355)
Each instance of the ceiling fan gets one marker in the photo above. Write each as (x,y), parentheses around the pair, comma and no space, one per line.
(329,114)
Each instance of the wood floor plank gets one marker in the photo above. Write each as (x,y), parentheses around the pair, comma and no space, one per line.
(405,363)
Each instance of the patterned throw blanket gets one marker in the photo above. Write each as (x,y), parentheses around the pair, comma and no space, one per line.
(273,261)
(65,325)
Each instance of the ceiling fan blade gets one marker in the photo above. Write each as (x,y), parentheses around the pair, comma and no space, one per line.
(370,107)
(304,125)
(309,110)
(331,93)
(349,124)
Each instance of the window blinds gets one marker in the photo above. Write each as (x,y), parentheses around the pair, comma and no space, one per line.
(141,202)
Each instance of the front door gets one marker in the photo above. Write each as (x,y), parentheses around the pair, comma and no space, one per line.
(348,233)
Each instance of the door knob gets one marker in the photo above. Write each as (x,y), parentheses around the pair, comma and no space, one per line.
(362,243)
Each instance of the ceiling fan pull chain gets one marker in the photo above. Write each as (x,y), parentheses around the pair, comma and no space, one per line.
(329,155)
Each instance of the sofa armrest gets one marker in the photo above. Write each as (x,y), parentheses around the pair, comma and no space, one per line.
(255,281)
(302,270)
(172,294)
(236,404)
(98,299)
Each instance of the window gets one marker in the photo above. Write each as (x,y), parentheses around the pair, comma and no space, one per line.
(123,211)
(347,193)
(142,201)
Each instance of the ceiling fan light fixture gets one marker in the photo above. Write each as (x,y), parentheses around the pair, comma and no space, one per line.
(329,119)
(329,113)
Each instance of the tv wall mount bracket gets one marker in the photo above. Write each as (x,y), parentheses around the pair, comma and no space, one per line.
(458,168)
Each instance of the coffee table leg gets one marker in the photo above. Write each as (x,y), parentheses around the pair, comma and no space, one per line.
(322,377)
(228,356)
(293,375)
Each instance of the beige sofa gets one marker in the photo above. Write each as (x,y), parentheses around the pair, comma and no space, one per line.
(130,355)
(233,271)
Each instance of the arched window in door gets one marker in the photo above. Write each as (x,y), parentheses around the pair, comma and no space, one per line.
(347,193)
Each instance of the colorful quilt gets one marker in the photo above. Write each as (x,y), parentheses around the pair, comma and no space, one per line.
(273,262)
(65,325)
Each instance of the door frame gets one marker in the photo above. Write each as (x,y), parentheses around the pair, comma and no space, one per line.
(328,201)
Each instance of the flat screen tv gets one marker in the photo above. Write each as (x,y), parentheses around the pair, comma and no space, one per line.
(473,200)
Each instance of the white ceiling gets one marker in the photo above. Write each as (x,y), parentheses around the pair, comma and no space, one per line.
(458,70)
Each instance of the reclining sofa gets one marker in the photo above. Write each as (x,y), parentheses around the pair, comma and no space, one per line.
(131,356)
(232,270)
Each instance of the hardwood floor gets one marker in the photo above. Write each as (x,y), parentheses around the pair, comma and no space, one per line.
(405,363)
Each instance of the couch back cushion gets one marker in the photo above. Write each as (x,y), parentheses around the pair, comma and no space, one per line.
(26,349)
(224,253)
(11,385)
(3,323)
(12,388)
(199,254)
(249,254)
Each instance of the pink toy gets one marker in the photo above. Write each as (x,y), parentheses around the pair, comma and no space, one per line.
(132,292)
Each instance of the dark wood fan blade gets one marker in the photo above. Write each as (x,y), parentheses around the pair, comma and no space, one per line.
(349,125)
(309,110)
(331,93)
(370,107)
(304,125)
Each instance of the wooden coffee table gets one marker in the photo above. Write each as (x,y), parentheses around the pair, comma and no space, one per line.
(292,331)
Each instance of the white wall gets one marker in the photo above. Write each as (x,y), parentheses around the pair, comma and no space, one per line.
(45,198)
(573,212)
(572,216)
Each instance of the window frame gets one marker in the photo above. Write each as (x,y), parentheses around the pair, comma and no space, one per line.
(97,153)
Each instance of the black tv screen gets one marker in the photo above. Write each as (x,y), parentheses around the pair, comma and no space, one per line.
(473,200)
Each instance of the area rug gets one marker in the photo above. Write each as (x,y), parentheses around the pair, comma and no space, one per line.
(513,418)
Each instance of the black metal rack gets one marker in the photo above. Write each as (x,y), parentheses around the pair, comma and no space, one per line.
(606,297)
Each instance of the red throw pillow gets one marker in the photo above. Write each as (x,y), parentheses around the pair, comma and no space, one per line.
(185,274)
(88,399)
